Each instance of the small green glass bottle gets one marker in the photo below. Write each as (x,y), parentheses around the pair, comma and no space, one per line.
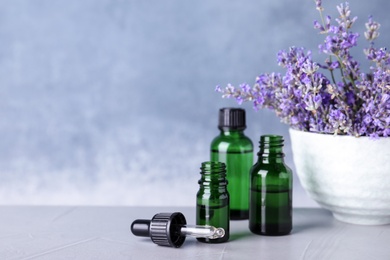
(270,211)
(212,200)
(234,149)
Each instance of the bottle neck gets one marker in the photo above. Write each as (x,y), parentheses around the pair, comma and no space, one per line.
(232,132)
(213,175)
(271,149)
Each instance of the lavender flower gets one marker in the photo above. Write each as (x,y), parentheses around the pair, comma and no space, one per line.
(372,30)
(319,5)
(348,102)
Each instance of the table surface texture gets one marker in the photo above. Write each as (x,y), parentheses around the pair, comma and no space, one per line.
(64,232)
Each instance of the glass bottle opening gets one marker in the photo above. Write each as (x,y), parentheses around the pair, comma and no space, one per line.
(213,174)
(213,166)
(268,141)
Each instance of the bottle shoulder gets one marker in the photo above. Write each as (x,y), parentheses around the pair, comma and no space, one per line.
(234,143)
(276,169)
(210,194)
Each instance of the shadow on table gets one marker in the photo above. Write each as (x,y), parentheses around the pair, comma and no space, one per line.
(240,235)
(310,218)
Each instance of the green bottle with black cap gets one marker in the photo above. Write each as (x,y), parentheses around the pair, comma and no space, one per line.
(234,149)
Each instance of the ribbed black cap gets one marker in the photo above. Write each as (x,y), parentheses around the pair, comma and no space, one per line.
(164,229)
(232,118)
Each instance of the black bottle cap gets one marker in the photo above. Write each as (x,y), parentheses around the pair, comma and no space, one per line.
(163,229)
(231,118)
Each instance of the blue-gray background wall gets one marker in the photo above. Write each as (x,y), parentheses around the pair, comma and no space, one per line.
(112,101)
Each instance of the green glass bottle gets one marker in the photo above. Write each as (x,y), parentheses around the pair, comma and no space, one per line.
(234,149)
(212,206)
(270,211)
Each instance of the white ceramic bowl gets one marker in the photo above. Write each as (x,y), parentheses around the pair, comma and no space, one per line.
(347,175)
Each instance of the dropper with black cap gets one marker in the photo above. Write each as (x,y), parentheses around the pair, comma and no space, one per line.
(171,229)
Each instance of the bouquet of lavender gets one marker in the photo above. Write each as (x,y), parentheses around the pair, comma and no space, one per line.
(347,101)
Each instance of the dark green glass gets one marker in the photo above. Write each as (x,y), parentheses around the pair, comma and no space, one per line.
(212,200)
(270,211)
(234,149)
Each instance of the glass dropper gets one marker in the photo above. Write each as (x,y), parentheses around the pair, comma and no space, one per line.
(202,231)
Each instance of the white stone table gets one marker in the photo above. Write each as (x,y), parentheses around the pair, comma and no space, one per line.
(62,232)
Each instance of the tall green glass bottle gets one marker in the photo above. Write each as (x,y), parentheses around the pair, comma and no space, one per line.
(270,211)
(212,200)
(234,149)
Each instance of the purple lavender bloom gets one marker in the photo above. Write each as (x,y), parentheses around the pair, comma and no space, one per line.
(323,28)
(319,5)
(350,98)
(245,87)
(344,10)
(372,29)
(318,26)
(349,41)
(348,102)
(386,132)
(374,135)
